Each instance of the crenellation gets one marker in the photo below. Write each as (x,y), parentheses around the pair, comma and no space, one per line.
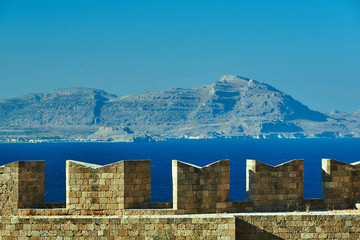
(105,188)
(22,185)
(200,189)
(340,183)
(124,187)
(275,188)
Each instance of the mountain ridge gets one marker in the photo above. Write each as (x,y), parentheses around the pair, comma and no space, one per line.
(230,107)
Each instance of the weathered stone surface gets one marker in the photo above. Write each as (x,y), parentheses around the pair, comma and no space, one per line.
(314,225)
(127,227)
(298,226)
(340,183)
(200,188)
(111,189)
(275,188)
(124,188)
(21,185)
(95,188)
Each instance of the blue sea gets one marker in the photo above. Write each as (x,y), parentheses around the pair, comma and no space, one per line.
(198,152)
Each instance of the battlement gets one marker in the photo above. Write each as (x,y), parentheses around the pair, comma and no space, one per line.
(120,185)
(279,187)
(340,182)
(125,187)
(21,185)
(199,188)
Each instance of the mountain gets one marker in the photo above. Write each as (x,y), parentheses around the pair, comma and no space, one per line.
(64,107)
(231,107)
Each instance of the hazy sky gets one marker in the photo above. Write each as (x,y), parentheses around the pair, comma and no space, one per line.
(309,49)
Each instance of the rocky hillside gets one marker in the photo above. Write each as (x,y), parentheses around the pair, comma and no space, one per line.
(231,107)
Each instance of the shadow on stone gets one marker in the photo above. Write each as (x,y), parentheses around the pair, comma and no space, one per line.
(245,230)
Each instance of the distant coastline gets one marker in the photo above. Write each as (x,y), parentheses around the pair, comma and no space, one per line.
(33,141)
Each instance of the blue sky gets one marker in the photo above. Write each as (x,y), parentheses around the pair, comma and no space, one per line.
(309,49)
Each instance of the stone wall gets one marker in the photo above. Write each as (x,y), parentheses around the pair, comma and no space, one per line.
(21,185)
(276,188)
(137,183)
(127,227)
(107,189)
(313,225)
(200,188)
(124,188)
(258,226)
(340,183)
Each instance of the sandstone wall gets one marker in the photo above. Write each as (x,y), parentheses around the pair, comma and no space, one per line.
(340,183)
(107,189)
(317,225)
(21,185)
(124,188)
(200,188)
(276,188)
(132,227)
(258,226)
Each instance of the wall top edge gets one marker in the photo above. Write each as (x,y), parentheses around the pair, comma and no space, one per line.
(19,162)
(279,165)
(198,167)
(95,166)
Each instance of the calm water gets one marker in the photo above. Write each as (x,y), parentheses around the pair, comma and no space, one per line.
(199,152)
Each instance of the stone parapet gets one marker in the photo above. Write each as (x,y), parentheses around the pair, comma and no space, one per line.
(124,188)
(109,188)
(276,188)
(200,188)
(21,185)
(340,183)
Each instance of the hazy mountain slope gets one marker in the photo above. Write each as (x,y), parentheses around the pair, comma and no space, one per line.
(231,107)
(169,107)
(63,107)
(227,107)
(246,98)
